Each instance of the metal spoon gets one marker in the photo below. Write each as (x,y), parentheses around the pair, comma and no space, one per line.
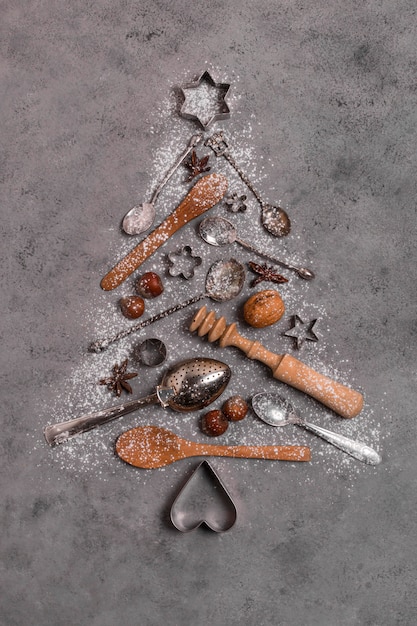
(224,281)
(274,410)
(141,217)
(217,231)
(189,385)
(274,219)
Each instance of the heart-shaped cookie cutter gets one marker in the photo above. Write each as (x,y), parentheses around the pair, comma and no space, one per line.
(195,505)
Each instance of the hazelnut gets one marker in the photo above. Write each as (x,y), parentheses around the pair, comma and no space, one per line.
(149,285)
(263,308)
(235,408)
(214,423)
(132,307)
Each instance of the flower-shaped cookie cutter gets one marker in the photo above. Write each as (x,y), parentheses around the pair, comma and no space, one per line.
(183,262)
(205,100)
(236,203)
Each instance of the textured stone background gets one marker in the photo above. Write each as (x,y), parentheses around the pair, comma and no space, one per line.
(324,117)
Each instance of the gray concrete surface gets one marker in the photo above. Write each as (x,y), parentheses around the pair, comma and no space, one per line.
(323,118)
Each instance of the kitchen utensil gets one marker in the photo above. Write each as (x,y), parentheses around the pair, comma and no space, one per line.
(203,500)
(343,400)
(189,385)
(218,231)
(151,352)
(183,262)
(207,191)
(205,100)
(273,218)
(301,331)
(150,447)
(224,281)
(236,203)
(141,217)
(274,410)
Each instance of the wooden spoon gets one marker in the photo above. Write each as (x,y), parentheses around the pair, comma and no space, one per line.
(207,192)
(150,447)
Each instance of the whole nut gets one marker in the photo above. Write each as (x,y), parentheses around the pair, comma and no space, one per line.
(214,423)
(132,307)
(149,285)
(235,408)
(263,308)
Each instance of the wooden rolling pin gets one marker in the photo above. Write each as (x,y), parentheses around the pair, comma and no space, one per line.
(343,400)
(207,192)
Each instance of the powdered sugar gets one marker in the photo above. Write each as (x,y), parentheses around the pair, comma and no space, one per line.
(93,453)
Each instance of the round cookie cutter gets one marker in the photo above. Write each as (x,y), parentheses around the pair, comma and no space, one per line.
(151,352)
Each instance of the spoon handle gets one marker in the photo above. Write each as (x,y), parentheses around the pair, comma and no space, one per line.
(273,453)
(243,176)
(103,344)
(195,139)
(303,272)
(58,433)
(356,449)
(207,192)
(220,147)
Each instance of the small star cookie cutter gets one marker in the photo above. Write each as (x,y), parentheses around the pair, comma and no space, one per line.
(205,101)
(183,262)
(301,331)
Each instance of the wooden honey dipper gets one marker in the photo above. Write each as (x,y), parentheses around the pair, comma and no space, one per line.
(343,400)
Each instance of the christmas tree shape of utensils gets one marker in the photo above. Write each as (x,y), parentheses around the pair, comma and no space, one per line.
(207,192)
(343,400)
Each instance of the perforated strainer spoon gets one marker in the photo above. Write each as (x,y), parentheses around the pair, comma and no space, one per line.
(189,385)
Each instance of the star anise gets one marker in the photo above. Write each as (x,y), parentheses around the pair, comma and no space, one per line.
(265,273)
(197,166)
(118,381)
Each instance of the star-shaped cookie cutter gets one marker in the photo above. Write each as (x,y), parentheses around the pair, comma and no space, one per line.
(208,111)
(299,333)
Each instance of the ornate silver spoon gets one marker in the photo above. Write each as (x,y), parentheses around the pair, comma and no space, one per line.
(274,218)
(217,231)
(141,217)
(274,410)
(224,281)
